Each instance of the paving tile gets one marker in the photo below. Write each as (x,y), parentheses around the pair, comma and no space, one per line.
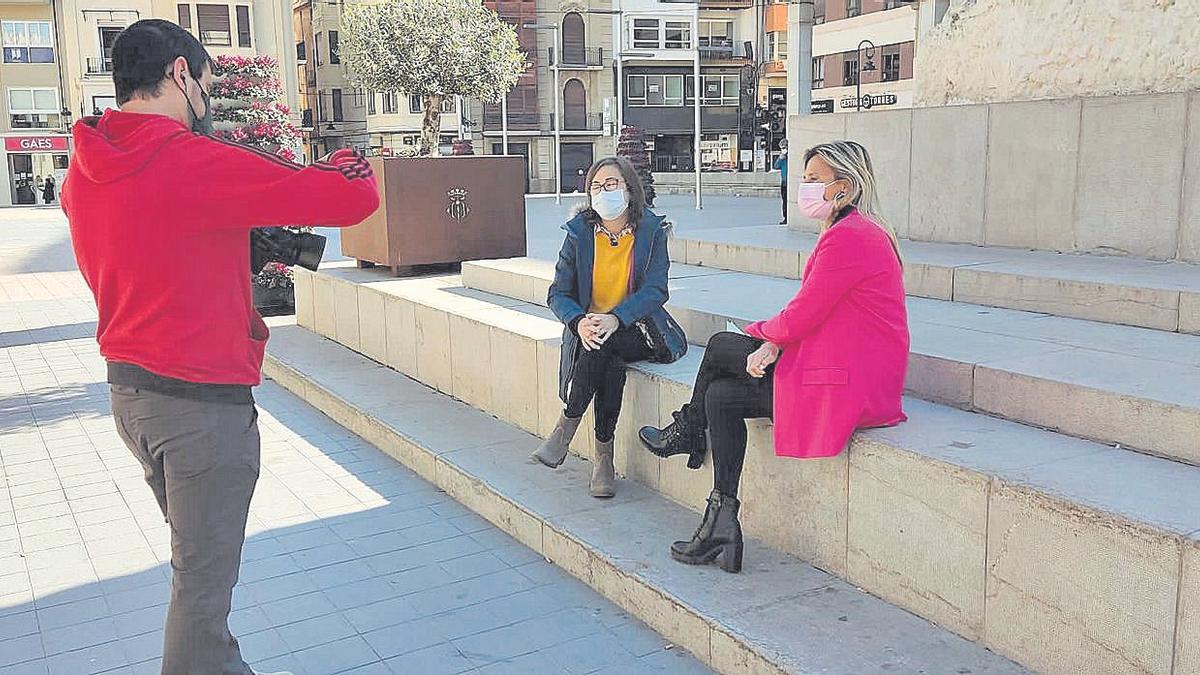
(20,649)
(442,659)
(312,632)
(338,656)
(78,636)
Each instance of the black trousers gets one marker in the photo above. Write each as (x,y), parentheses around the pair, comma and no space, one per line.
(600,374)
(724,397)
(783,195)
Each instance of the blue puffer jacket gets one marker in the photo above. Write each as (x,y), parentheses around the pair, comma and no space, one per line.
(571,293)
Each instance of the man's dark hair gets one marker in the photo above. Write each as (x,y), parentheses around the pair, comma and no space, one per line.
(143,54)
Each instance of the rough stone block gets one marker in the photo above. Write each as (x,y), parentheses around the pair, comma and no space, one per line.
(918,534)
(1189,313)
(433,348)
(639,409)
(1033,155)
(471,362)
(325,319)
(670,620)
(1110,303)
(303,283)
(697,325)
(887,136)
(400,328)
(483,500)
(928,281)
(949,160)
(372,323)
(732,655)
(1076,591)
(1189,237)
(774,262)
(813,489)
(941,380)
(345,311)
(550,406)
(1113,413)
(1123,141)
(514,379)
(1187,632)
(570,555)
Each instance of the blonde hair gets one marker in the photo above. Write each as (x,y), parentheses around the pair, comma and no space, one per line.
(851,162)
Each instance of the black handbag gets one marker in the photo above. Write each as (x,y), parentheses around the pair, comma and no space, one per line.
(659,351)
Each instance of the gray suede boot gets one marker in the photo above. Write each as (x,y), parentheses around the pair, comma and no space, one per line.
(604,478)
(554,449)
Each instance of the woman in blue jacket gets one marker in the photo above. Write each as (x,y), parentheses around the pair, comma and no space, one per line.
(610,285)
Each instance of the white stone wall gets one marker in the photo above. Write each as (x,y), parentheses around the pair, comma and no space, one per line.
(1011,50)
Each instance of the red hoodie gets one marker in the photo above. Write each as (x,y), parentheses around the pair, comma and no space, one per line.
(160,220)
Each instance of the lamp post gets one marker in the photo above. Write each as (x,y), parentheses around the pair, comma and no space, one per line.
(557,123)
(865,48)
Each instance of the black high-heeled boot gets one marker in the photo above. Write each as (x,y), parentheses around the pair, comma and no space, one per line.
(684,436)
(719,537)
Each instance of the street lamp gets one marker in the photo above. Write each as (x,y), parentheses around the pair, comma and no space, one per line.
(557,122)
(865,48)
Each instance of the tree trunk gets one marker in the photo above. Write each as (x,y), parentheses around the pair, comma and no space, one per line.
(431,125)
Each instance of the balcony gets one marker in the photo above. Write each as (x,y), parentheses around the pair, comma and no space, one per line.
(726,4)
(724,52)
(579,58)
(517,121)
(99,65)
(590,123)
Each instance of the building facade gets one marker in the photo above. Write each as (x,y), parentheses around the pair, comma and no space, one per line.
(57,68)
(884,69)
(333,114)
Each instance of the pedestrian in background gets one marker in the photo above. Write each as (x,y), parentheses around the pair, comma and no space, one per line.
(782,165)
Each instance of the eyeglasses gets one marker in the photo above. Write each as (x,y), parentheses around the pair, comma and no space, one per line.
(610,185)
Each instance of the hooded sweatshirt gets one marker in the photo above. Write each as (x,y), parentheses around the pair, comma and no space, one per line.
(160,220)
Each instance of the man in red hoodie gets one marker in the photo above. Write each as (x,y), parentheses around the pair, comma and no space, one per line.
(160,216)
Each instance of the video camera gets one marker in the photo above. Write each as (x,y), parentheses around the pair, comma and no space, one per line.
(276,244)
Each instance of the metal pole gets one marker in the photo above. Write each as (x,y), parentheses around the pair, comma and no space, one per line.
(698,93)
(557,122)
(619,20)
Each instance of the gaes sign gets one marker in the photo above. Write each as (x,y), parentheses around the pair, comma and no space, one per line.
(35,143)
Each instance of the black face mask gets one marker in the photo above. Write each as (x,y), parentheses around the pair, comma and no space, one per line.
(200,125)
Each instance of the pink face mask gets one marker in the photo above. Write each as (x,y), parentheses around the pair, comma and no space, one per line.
(812,200)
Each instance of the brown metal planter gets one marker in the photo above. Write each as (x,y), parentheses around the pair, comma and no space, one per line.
(441,211)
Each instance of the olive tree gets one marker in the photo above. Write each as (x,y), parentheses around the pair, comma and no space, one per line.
(434,49)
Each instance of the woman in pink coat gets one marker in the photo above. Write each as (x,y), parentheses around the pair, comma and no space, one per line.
(831,362)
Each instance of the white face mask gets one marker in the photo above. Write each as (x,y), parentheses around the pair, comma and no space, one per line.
(610,205)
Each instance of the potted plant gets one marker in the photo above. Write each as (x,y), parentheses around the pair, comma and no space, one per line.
(274,290)
(436,210)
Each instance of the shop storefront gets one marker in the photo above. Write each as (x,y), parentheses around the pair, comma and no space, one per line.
(36,167)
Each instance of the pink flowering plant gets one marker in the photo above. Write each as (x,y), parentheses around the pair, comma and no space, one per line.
(274,275)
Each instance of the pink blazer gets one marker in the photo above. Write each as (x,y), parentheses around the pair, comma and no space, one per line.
(845,343)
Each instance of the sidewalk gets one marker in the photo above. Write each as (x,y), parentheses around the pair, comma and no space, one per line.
(352,563)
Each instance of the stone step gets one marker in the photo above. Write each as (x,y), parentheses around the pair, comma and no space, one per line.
(1115,384)
(1128,291)
(779,616)
(1060,553)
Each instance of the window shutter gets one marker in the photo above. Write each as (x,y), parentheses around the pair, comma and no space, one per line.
(243,25)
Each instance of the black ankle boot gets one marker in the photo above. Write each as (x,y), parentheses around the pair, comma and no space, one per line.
(684,436)
(719,537)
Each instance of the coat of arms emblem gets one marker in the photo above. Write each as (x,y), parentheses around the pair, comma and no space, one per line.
(457,207)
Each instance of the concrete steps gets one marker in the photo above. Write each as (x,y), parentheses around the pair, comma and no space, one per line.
(779,616)
(1114,384)
(1063,554)
(1128,291)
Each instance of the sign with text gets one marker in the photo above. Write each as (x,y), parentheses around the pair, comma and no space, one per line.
(35,143)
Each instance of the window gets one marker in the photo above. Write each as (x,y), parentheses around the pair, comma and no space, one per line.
(320,108)
(645,34)
(818,72)
(894,4)
(34,108)
(390,106)
(371,96)
(108,36)
(655,90)
(853,8)
(678,35)
(185,17)
(334,57)
(716,33)
(102,103)
(777,46)
(721,90)
(317,49)
(891,64)
(243,25)
(819,12)
(338,113)
(213,21)
(27,42)
(416,106)
(850,71)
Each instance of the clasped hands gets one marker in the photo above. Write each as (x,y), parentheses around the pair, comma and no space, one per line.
(595,329)
(761,359)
